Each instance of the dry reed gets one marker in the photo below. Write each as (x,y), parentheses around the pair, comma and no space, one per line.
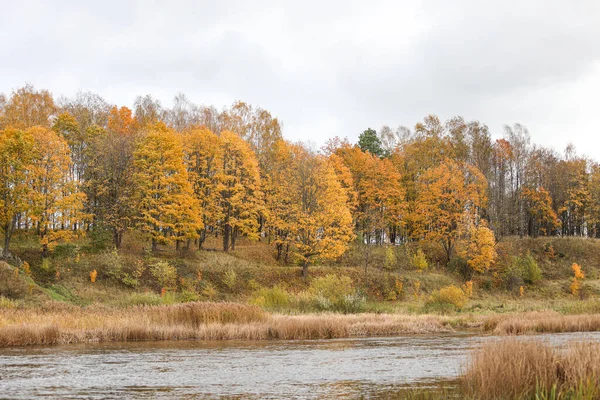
(198,321)
(519,369)
(542,322)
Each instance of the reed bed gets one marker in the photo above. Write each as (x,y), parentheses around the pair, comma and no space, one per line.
(542,322)
(519,369)
(198,321)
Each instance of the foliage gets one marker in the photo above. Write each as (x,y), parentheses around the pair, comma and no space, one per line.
(447,298)
(480,251)
(164,197)
(419,261)
(530,271)
(578,276)
(369,141)
(275,298)
(164,273)
(391,259)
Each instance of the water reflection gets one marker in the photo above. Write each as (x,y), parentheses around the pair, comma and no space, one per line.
(370,368)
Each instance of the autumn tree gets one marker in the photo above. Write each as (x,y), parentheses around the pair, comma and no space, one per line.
(317,214)
(480,250)
(238,188)
(28,107)
(202,151)
(451,198)
(55,201)
(109,181)
(16,148)
(542,218)
(166,207)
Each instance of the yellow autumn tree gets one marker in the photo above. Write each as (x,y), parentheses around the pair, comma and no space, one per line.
(15,157)
(238,190)
(542,217)
(55,202)
(278,202)
(480,250)
(317,216)
(451,196)
(28,107)
(203,159)
(165,203)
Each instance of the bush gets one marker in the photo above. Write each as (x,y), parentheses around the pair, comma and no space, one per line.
(459,265)
(230,279)
(164,273)
(331,287)
(447,298)
(101,238)
(275,298)
(419,260)
(333,293)
(528,268)
(66,250)
(11,285)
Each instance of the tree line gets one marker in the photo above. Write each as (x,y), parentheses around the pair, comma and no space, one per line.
(179,175)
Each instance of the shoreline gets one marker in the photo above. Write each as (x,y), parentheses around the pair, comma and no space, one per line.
(233,321)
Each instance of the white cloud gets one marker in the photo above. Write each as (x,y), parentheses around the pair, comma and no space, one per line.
(325,67)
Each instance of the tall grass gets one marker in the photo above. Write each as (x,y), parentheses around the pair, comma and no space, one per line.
(542,322)
(518,369)
(198,321)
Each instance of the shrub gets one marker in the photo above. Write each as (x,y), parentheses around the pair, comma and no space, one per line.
(419,260)
(164,273)
(275,298)
(101,238)
(66,250)
(460,266)
(530,270)
(209,291)
(230,279)
(333,293)
(391,260)
(447,298)
(11,286)
(93,276)
(6,303)
(332,287)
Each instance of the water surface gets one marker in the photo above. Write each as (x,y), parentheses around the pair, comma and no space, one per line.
(365,367)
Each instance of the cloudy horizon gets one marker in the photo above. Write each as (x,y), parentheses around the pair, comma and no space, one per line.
(325,69)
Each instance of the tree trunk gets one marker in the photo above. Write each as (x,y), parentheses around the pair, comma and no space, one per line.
(154,244)
(7,233)
(305,270)
(226,233)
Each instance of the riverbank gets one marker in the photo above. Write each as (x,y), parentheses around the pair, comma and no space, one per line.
(232,321)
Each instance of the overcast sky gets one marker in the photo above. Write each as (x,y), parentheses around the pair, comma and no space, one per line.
(325,68)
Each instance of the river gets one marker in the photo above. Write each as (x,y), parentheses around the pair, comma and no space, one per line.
(351,368)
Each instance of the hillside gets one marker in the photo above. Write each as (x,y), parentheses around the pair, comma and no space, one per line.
(390,283)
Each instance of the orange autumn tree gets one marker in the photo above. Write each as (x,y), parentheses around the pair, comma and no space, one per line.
(280,225)
(542,217)
(238,190)
(55,202)
(480,250)
(203,159)
(165,203)
(28,107)
(16,148)
(318,215)
(451,196)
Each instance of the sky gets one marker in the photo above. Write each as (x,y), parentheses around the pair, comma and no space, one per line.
(325,68)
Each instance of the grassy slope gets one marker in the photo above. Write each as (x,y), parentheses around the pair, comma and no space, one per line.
(214,275)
